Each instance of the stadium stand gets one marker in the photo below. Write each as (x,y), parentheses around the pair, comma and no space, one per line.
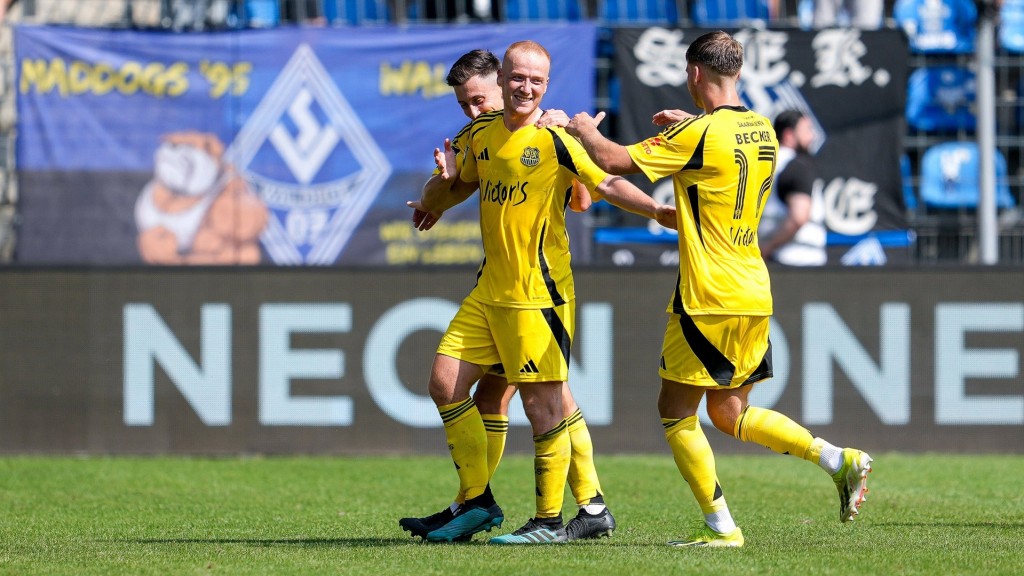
(938,26)
(710,13)
(1011,26)
(262,13)
(638,11)
(940,89)
(949,193)
(539,10)
(941,99)
(949,177)
(906,176)
(355,12)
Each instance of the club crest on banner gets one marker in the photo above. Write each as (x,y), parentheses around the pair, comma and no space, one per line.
(307,155)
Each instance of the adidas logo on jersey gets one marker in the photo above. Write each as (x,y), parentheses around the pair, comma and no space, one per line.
(529,368)
(483,155)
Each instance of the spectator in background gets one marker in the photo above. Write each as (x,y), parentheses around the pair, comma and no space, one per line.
(863,14)
(792,231)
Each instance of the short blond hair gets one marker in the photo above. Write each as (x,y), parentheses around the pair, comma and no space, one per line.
(526,46)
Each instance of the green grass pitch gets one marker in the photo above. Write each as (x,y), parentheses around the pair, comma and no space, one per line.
(925,514)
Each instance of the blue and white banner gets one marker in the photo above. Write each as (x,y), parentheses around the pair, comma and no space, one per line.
(294,146)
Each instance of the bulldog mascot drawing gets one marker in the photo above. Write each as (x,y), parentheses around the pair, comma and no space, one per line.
(197,209)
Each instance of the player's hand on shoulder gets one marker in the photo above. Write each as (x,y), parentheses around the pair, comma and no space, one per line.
(666,117)
(583,121)
(552,117)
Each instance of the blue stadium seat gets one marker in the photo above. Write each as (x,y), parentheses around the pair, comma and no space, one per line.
(262,13)
(355,12)
(729,12)
(1011,26)
(941,99)
(638,11)
(949,177)
(542,10)
(938,26)
(907,178)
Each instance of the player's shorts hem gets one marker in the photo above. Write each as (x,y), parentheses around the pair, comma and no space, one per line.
(532,378)
(713,384)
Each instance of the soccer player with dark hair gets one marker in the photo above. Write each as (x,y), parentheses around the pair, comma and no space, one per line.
(716,342)
(793,230)
(521,312)
(474,79)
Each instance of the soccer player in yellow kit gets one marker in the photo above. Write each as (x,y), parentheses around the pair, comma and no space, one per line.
(521,312)
(474,79)
(716,342)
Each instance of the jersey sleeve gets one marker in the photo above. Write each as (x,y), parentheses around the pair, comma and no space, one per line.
(573,157)
(668,152)
(466,160)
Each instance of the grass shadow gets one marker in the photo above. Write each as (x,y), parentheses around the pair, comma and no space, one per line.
(951,524)
(303,542)
(353,542)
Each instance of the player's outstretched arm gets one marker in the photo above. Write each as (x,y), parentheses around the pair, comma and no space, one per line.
(625,195)
(556,117)
(580,199)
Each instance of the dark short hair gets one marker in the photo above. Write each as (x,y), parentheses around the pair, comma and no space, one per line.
(786,120)
(717,50)
(470,64)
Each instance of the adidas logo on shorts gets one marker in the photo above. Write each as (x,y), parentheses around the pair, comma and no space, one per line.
(529,368)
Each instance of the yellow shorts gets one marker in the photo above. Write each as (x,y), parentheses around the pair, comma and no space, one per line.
(716,351)
(523,345)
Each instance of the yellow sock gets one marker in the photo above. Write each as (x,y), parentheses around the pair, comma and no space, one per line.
(497,430)
(583,479)
(467,442)
(551,466)
(496,426)
(775,431)
(696,461)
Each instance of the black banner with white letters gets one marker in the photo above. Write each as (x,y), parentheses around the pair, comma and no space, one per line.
(851,83)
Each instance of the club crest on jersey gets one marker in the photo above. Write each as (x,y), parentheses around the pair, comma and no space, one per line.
(530,157)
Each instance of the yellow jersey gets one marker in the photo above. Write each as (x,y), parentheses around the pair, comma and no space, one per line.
(525,181)
(722,165)
(459,144)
